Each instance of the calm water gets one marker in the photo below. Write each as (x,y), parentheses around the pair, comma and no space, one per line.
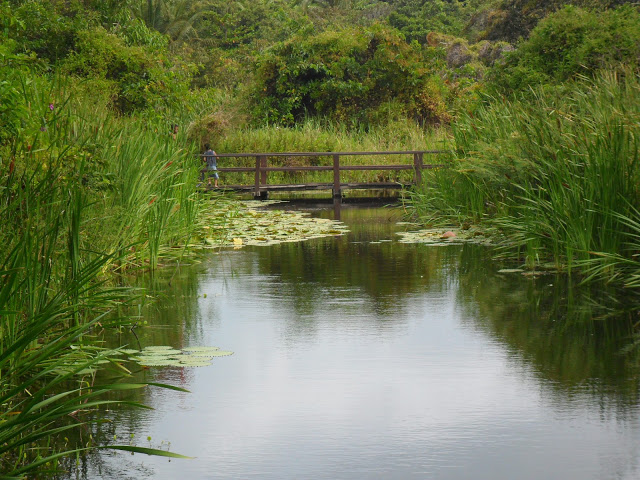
(360,360)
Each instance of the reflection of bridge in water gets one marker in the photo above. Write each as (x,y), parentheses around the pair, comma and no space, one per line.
(261,187)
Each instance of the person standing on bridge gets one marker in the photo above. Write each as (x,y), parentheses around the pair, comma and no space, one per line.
(211,158)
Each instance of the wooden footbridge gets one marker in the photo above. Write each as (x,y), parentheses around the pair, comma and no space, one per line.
(260,187)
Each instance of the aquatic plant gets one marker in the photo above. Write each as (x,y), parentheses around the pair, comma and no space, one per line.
(245,223)
(557,172)
(90,195)
(165,356)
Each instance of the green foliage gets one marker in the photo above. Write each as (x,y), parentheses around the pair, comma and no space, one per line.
(343,75)
(417,18)
(558,172)
(232,24)
(84,194)
(136,32)
(142,78)
(46,31)
(512,20)
(13,68)
(570,43)
(175,18)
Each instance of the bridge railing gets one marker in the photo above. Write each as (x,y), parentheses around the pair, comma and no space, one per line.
(261,169)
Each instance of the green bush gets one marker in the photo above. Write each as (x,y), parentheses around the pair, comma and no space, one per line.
(512,20)
(570,43)
(143,78)
(136,32)
(341,75)
(42,29)
(417,18)
(11,104)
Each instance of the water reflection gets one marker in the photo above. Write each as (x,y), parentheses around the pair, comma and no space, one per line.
(361,357)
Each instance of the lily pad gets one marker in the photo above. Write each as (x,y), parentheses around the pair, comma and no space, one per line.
(129,351)
(196,362)
(165,356)
(268,227)
(221,353)
(200,349)
(441,237)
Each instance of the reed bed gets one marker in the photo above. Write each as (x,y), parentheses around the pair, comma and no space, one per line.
(557,173)
(84,195)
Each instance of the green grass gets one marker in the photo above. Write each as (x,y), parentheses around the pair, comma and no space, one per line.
(558,174)
(83,198)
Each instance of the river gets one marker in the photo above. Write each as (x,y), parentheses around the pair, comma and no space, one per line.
(360,357)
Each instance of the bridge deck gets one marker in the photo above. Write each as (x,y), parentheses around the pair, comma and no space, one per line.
(314,186)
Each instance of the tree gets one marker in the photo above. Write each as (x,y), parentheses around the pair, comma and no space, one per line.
(175,18)
(346,75)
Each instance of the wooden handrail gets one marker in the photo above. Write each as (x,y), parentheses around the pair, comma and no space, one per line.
(325,154)
(261,169)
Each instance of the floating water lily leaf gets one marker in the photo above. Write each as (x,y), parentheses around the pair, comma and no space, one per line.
(268,227)
(164,356)
(221,353)
(434,237)
(160,352)
(155,363)
(169,353)
(200,349)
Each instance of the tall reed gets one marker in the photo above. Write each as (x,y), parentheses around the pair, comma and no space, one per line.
(558,173)
(82,193)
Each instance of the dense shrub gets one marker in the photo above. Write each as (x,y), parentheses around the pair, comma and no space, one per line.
(570,43)
(142,77)
(49,33)
(343,75)
(417,18)
(13,69)
(135,32)
(515,19)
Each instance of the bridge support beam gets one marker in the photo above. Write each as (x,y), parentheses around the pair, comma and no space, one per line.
(418,166)
(337,193)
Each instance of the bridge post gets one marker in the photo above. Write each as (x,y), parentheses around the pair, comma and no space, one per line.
(263,173)
(256,190)
(417,165)
(336,177)
(264,193)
